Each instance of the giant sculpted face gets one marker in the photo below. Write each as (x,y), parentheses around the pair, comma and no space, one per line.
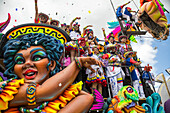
(31,64)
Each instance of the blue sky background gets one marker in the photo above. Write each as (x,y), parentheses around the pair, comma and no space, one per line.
(163,53)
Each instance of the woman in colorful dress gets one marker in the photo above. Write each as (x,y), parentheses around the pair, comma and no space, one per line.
(96,77)
(72,47)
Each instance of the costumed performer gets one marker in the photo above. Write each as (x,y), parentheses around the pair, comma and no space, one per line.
(40,17)
(97,78)
(135,75)
(124,47)
(110,40)
(75,34)
(115,72)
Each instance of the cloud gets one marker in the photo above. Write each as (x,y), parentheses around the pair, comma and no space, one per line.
(146,52)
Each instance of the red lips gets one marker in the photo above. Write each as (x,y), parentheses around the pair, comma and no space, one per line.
(30,74)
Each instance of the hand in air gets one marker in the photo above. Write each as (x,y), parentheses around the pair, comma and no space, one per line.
(89,26)
(78,18)
(103,29)
(88,61)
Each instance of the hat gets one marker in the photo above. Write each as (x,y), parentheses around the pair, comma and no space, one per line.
(130,52)
(55,21)
(128,8)
(42,14)
(24,29)
(87,31)
(76,24)
(94,46)
(123,36)
(111,46)
(64,24)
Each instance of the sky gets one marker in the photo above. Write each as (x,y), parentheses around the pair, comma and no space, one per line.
(92,12)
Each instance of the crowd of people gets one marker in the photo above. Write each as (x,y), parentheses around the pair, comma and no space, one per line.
(114,54)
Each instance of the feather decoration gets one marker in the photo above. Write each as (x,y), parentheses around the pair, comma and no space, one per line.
(3,25)
(98,100)
(159,6)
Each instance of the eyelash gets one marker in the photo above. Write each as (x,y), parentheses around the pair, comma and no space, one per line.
(36,54)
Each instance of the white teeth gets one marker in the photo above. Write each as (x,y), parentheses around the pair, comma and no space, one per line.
(31,73)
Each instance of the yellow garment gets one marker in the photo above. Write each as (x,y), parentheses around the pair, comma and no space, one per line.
(8,92)
(60,102)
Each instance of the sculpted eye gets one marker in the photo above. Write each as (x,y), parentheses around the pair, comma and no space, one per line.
(36,58)
(19,60)
(129,89)
(39,55)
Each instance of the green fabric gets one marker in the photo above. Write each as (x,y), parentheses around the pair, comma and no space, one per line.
(1,34)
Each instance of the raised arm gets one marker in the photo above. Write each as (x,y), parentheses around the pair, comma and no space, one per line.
(96,43)
(36,11)
(104,33)
(125,4)
(71,24)
(51,89)
(84,29)
(89,50)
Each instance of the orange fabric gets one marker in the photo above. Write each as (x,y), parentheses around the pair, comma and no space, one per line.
(52,107)
(68,95)
(8,92)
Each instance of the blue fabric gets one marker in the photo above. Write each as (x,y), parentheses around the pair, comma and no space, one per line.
(106,43)
(118,12)
(133,73)
(127,12)
(146,75)
(97,39)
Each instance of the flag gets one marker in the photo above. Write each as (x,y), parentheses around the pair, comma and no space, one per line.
(132,38)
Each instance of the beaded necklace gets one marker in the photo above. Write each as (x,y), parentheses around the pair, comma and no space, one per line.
(39,108)
(5,83)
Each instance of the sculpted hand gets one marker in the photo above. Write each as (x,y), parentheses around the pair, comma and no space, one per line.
(88,61)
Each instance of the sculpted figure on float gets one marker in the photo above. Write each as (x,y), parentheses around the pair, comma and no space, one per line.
(153,18)
(35,83)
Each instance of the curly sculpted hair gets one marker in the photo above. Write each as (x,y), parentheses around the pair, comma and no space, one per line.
(53,47)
